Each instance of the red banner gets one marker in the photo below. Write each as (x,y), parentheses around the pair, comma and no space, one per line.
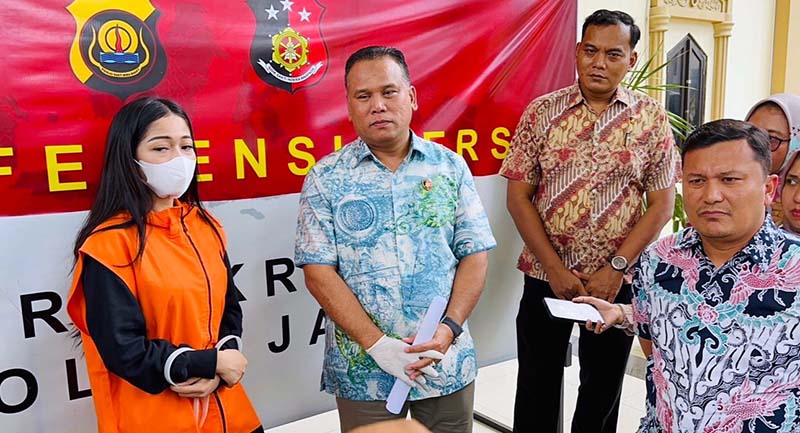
(262,81)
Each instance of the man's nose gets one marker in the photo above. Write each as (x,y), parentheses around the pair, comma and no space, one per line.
(378,105)
(712,193)
(599,61)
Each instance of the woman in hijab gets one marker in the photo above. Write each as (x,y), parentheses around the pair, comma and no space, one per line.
(789,193)
(779,115)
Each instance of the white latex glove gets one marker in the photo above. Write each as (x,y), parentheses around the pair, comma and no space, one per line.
(390,355)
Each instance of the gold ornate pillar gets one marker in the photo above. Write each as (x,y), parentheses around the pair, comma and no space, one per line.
(722,32)
(716,12)
(785,62)
(659,24)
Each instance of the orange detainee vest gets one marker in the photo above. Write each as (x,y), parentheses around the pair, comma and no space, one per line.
(180,282)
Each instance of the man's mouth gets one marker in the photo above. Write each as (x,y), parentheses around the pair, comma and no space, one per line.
(713,213)
(380,123)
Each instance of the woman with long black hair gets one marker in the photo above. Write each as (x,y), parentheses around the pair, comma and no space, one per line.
(153,294)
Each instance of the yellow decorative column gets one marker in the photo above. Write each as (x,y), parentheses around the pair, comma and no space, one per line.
(716,12)
(785,62)
(659,24)
(722,32)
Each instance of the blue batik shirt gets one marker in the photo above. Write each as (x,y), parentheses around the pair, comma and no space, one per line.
(396,239)
(726,341)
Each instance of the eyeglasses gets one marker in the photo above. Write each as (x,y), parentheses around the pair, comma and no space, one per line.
(775,142)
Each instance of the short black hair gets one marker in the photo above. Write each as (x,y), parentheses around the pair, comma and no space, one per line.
(605,17)
(373,53)
(721,130)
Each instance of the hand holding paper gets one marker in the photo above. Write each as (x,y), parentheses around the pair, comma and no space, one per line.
(578,312)
(400,390)
(392,358)
(612,314)
(441,341)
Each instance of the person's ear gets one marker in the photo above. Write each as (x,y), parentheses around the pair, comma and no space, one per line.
(770,188)
(634,58)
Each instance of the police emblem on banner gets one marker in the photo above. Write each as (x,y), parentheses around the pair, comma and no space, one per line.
(116,48)
(288,49)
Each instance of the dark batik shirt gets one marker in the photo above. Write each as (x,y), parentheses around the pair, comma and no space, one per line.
(726,341)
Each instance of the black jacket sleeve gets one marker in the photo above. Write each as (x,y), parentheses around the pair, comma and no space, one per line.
(231,323)
(117,327)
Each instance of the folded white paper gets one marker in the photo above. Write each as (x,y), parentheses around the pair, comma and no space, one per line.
(572,311)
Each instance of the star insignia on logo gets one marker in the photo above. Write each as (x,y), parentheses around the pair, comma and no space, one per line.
(288,50)
(272,12)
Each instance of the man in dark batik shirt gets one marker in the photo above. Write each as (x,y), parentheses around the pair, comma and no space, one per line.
(716,305)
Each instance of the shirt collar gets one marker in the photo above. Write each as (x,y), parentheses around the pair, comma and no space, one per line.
(419,148)
(575,97)
(623,96)
(765,243)
(760,248)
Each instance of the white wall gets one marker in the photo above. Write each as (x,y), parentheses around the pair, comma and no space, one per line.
(749,56)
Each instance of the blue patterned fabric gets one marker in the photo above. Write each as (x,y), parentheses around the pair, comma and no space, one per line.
(396,239)
(726,341)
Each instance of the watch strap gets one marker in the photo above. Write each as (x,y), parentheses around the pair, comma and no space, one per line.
(455,327)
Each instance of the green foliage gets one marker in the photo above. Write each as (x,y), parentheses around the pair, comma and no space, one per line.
(638,81)
(679,213)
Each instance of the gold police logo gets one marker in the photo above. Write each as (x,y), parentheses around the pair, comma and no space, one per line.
(288,49)
(116,51)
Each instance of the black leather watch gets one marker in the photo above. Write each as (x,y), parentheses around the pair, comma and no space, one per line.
(455,327)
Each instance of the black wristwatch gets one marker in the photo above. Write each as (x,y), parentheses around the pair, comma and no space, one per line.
(455,327)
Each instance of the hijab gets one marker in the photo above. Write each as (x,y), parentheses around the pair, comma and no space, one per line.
(790,105)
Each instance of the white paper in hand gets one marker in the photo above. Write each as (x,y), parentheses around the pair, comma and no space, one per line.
(399,393)
(573,311)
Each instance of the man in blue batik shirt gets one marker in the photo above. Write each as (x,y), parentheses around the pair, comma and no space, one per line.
(385,225)
(716,305)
